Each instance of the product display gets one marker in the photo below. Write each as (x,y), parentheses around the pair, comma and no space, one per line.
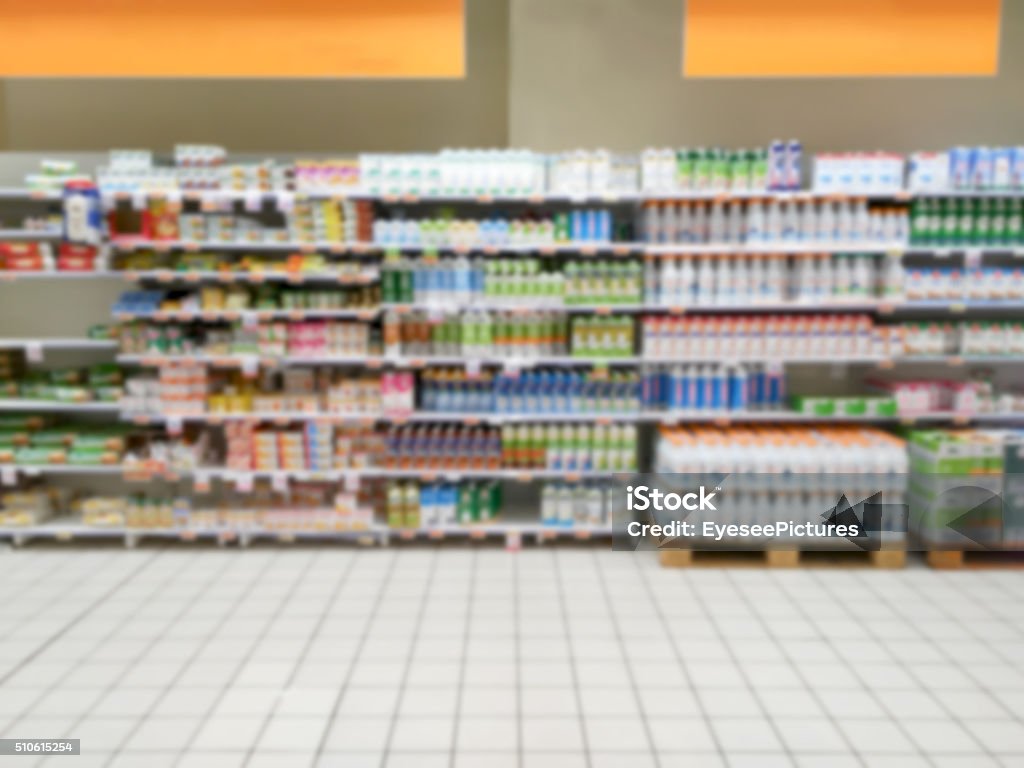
(530,392)
(773,222)
(319,320)
(767,337)
(967,221)
(967,168)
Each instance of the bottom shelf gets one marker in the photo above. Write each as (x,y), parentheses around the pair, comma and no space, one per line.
(70,530)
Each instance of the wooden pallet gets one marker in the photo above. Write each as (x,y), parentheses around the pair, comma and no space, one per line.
(783,558)
(959,559)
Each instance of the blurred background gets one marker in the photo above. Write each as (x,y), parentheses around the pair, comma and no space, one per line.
(331,333)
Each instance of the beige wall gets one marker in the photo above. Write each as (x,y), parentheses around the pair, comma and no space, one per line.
(273,115)
(549,74)
(607,73)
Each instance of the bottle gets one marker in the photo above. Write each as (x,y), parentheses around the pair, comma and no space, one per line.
(687,283)
(671,284)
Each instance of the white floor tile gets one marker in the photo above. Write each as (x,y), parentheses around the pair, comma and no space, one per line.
(228,732)
(487,734)
(358,734)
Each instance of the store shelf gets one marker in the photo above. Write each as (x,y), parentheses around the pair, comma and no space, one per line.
(249,315)
(51,406)
(24,193)
(796,246)
(882,306)
(945,251)
(377,361)
(16,275)
(144,244)
(58,343)
(30,234)
(295,278)
(626,417)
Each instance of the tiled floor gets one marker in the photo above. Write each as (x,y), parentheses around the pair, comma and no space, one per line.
(486,659)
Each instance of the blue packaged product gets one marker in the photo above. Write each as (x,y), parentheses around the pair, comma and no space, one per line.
(738,388)
(960,167)
(777,165)
(700,389)
(428,504)
(83,213)
(981,168)
(756,387)
(604,225)
(719,389)
(576,223)
(774,386)
(794,158)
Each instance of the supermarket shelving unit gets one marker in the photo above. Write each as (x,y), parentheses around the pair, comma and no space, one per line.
(513,531)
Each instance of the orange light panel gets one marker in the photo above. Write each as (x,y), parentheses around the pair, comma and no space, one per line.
(840,38)
(232,38)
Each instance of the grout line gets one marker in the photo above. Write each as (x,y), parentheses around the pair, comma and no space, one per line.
(80,616)
(424,599)
(460,688)
(794,665)
(928,691)
(625,657)
(343,689)
(117,625)
(581,720)
(301,656)
(708,720)
(244,661)
(517,639)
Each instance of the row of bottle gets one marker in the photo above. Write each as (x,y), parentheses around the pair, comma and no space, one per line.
(730,281)
(699,169)
(768,337)
(476,334)
(967,221)
(774,449)
(577,226)
(461,282)
(461,172)
(964,338)
(567,505)
(541,391)
(507,334)
(955,284)
(774,221)
(570,447)
(434,505)
(715,387)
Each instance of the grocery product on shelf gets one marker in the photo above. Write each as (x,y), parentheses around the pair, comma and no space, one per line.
(332,176)
(306,222)
(964,284)
(253,267)
(570,447)
(583,173)
(476,334)
(569,505)
(821,463)
(699,169)
(715,387)
(980,337)
(768,337)
(33,440)
(967,168)
(433,505)
(967,221)
(550,391)
(876,173)
(98,383)
(726,280)
(963,398)
(30,507)
(454,172)
(527,282)
(53,174)
(965,486)
(853,406)
(215,298)
(576,226)
(772,222)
